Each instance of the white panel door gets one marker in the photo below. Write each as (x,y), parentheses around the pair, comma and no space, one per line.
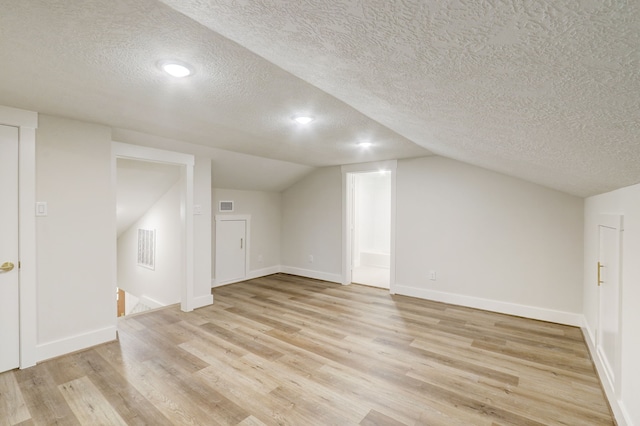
(9,301)
(231,249)
(609,300)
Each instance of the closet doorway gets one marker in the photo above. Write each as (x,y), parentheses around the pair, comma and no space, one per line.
(371,228)
(369,220)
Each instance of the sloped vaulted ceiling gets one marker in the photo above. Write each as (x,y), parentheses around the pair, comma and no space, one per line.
(545,90)
(548,91)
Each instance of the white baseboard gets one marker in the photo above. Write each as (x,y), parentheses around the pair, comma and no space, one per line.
(264,272)
(153,304)
(201,301)
(250,275)
(617,406)
(319,275)
(75,343)
(533,312)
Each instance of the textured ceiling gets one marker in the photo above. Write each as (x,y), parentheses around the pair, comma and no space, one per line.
(542,90)
(96,61)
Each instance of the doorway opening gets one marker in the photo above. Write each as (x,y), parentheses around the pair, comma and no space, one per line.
(371,229)
(184,253)
(149,197)
(369,224)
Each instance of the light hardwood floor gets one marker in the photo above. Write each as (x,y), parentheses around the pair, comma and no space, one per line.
(289,350)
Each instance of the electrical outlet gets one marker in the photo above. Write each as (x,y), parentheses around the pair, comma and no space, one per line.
(310,258)
(432,275)
(260,259)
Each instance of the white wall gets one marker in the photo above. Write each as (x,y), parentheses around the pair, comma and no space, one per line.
(159,286)
(495,242)
(625,201)
(265,209)
(312,225)
(76,304)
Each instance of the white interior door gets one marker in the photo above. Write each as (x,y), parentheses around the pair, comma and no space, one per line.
(231,249)
(607,339)
(9,296)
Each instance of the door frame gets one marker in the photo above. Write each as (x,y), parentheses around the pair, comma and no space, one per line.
(142,153)
(613,221)
(347,216)
(27,123)
(247,250)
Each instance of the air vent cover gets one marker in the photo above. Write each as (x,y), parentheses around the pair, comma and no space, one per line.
(225,206)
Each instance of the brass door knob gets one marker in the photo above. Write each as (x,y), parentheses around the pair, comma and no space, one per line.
(6,267)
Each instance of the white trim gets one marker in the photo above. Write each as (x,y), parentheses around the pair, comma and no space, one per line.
(200,301)
(27,123)
(347,205)
(257,273)
(533,312)
(75,343)
(152,303)
(370,167)
(264,272)
(18,117)
(617,406)
(615,221)
(318,275)
(136,152)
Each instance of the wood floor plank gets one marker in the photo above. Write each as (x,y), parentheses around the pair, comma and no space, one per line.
(374,418)
(44,401)
(13,408)
(287,350)
(88,404)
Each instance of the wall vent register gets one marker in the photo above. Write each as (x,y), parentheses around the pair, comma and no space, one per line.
(147,248)
(225,206)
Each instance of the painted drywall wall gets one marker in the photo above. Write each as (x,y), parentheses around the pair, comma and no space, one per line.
(265,209)
(161,285)
(312,225)
(489,238)
(494,241)
(625,201)
(76,240)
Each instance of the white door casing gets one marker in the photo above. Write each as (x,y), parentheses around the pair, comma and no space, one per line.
(348,217)
(9,255)
(231,262)
(609,273)
(187,161)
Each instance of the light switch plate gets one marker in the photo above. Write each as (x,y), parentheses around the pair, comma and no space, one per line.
(41,208)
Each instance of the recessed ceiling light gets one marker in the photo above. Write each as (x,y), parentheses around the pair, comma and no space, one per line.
(365,144)
(303,119)
(176,68)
